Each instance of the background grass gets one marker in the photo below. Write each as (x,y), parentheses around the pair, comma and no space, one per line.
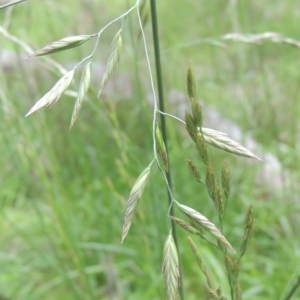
(63,192)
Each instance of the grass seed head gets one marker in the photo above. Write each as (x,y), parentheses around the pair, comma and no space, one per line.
(84,86)
(197,112)
(54,94)
(170,268)
(113,59)
(206,224)
(191,86)
(190,126)
(134,197)
(186,226)
(161,148)
(226,180)
(61,45)
(193,169)
(202,148)
(222,141)
(210,180)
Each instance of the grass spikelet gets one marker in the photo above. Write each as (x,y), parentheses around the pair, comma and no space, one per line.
(82,92)
(226,180)
(61,45)
(200,262)
(206,224)
(170,268)
(186,226)
(238,291)
(161,148)
(191,86)
(222,141)
(210,181)
(135,195)
(248,231)
(190,126)
(193,170)
(54,94)
(202,148)
(219,202)
(212,293)
(113,59)
(197,112)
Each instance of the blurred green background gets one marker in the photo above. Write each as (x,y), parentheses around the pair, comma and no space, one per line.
(63,191)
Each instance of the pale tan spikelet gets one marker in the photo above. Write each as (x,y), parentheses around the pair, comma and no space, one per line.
(113,59)
(222,141)
(82,92)
(134,197)
(54,94)
(61,45)
(170,268)
(206,224)
(186,226)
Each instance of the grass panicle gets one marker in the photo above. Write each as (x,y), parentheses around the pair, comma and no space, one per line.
(113,59)
(61,45)
(54,94)
(134,197)
(84,86)
(170,268)
(206,224)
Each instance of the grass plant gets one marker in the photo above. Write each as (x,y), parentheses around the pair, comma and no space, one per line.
(63,191)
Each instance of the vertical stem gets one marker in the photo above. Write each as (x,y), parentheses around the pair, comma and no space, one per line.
(163,121)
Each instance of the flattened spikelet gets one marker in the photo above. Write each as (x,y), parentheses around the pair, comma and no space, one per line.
(222,141)
(135,195)
(54,94)
(82,92)
(206,224)
(61,45)
(170,268)
(113,59)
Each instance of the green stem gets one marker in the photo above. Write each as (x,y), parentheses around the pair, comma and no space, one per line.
(163,122)
(293,289)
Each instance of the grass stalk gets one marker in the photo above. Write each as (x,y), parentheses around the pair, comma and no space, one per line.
(163,123)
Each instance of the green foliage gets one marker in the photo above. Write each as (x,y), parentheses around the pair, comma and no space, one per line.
(63,192)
